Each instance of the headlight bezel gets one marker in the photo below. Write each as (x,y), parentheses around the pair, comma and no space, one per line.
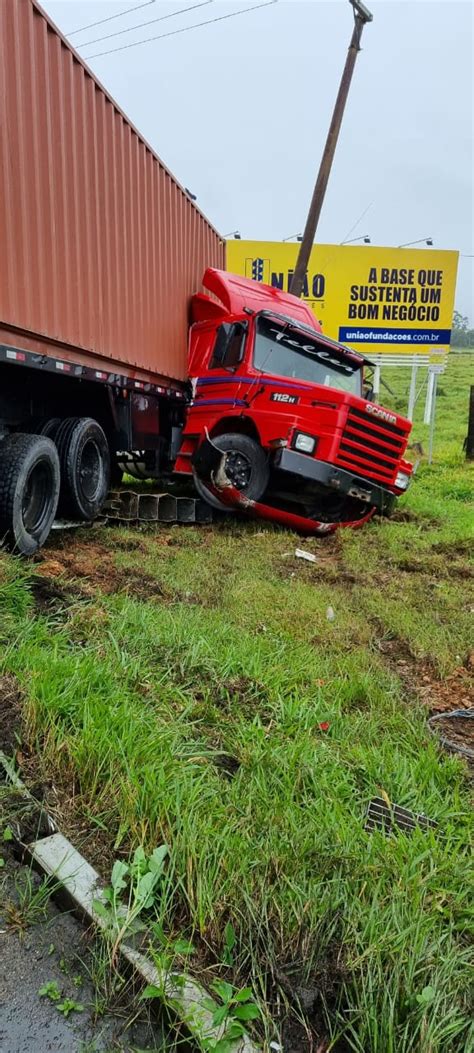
(304,443)
(403,480)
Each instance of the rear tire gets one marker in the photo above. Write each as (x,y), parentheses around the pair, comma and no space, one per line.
(246,465)
(29,491)
(50,428)
(85,467)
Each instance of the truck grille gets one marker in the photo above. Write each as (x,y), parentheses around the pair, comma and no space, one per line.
(371,447)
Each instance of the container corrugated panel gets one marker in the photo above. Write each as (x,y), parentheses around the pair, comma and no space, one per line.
(101,248)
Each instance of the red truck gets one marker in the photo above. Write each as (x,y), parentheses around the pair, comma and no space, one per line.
(111,358)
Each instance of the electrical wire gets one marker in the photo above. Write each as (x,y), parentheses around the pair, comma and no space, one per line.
(364,213)
(162,18)
(174,32)
(110,18)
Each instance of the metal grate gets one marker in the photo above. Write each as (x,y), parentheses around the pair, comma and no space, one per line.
(371,448)
(381,816)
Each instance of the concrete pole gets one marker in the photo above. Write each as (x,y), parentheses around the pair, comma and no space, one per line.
(361,16)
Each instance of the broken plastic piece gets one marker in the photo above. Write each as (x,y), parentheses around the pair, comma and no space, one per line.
(301,553)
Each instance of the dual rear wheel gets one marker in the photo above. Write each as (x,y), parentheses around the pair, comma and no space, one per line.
(65,467)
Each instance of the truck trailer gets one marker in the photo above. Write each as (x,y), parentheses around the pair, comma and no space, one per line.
(125,345)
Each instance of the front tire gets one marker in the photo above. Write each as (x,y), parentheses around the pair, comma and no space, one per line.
(29,491)
(246,466)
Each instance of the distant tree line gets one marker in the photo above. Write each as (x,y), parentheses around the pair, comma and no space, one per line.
(462,335)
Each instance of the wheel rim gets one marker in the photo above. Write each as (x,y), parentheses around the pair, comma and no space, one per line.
(238,469)
(90,470)
(36,503)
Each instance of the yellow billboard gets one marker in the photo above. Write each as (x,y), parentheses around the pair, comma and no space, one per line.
(375,299)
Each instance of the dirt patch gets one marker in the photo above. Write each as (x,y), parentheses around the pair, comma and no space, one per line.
(407,515)
(452,569)
(455,691)
(63,800)
(50,595)
(10,713)
(456,730)
(454,548)
(92,567)
(303,1023)
(226,764)
(132,544)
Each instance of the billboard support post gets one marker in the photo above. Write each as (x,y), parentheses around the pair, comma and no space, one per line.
(470,430)
(361,17)
(434,378)
(377,380)
(412,393)
(429,397)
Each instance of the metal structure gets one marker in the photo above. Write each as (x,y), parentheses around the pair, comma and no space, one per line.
(128,506)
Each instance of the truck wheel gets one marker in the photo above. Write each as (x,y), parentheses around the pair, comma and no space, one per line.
(29,491)
(246,465)
(50,428)
(85,467)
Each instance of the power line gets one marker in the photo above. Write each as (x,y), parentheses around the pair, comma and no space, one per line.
(140,25)
(174,32)
(110,18)
(364,213)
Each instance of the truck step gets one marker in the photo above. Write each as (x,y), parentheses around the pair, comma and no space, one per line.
(127,506)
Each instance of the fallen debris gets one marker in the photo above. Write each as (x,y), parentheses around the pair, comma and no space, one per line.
(457,739)
(331,614)
(302,553)
(386,817)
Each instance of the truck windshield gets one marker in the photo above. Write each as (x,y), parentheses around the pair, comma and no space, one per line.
(287,351)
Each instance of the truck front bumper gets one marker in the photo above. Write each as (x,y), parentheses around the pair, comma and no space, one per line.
(305,467)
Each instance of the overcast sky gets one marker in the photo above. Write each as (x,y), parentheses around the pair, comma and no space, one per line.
(239,111)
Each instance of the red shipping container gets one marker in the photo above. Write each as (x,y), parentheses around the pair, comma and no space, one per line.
(101,248)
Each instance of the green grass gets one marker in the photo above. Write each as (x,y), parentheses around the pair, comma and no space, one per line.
(194,719)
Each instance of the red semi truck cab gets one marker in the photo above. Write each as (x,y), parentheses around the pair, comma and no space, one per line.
(285,406)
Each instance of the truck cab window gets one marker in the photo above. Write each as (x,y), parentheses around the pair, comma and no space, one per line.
(229,346)
(286,351)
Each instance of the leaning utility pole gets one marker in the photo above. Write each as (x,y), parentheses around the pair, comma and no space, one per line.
(361,16)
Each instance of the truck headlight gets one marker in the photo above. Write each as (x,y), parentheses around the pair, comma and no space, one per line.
(402,481)
(304,443)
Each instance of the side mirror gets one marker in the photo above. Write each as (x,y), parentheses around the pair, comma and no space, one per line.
(229,345)
(368,392)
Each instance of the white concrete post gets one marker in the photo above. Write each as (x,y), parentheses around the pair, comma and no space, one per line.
(412,394)
(432,422)
(429,397)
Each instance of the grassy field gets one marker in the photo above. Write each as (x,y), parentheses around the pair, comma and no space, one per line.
(186,686)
